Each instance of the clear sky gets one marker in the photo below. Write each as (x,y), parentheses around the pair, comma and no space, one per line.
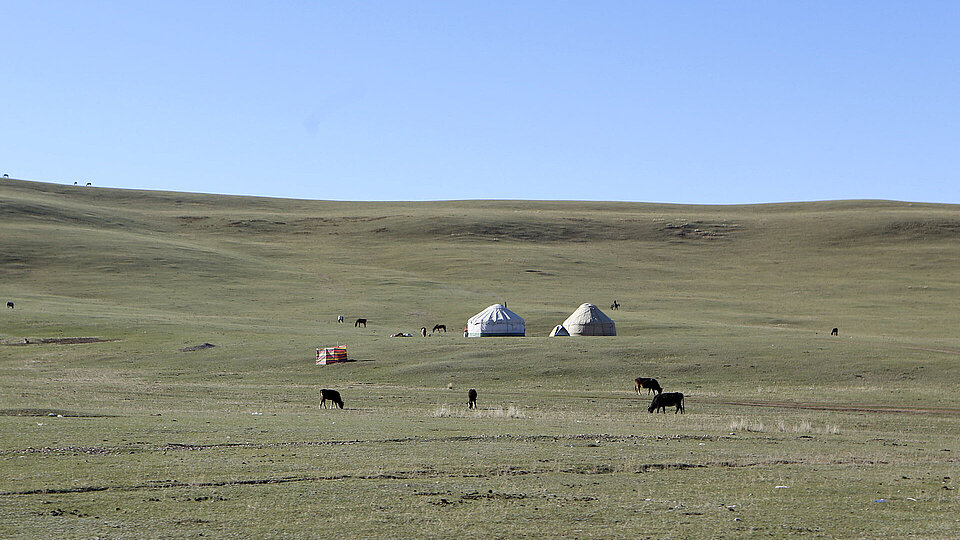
(691,102)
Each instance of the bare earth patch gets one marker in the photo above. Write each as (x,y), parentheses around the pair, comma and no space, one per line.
(59,341)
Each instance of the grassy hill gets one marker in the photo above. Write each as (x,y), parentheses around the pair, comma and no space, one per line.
(731,305)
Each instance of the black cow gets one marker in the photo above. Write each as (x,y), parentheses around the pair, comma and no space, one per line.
(10,305)
(670,399)
(472,399)
(835,332)
(332,395)
(650,384)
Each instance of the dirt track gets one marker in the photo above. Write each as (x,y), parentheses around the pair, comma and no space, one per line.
(838,407)
(59,341)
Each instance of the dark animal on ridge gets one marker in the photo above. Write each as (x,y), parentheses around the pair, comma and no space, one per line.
(423,331)
(472,399)
(359,322)
(332,395)
(89,184)
(669,399)
(10,305)
(439,327)
(650,384)
(614,305)
(835,332)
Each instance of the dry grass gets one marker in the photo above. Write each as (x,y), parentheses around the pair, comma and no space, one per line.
(782,426)
(446,411)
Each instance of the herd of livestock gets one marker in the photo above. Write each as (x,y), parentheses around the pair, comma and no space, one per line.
(660,402)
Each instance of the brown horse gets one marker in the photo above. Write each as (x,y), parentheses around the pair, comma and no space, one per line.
(439,327)
(360,322)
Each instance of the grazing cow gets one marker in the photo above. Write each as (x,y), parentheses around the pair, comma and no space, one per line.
(835,332)
(614,305)
(670,399)
(10,305)
(423,331)
(472,399)
(339,318)
(359,322)
(439,327)
(332,395)
(650,384)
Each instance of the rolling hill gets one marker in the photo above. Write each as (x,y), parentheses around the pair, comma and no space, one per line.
(732,305)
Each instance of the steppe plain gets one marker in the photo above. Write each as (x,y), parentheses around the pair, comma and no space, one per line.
(788,431)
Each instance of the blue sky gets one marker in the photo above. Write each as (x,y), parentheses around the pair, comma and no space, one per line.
(689,102)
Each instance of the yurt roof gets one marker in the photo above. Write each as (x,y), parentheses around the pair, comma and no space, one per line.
(496,312)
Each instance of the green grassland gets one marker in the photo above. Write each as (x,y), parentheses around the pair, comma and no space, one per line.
(731,305)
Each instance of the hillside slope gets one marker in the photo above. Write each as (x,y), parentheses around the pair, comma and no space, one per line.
(871,267)
(128,432)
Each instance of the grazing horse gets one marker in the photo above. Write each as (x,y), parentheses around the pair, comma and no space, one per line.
(614,305)
(670,399)
(339,318)
(423,331)
(359,322)
(439,327)
(650,384)
(6,176)
(472,399)
(836,332)
(332,395)
(10,305)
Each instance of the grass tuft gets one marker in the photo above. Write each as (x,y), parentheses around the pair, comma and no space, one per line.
(446,411)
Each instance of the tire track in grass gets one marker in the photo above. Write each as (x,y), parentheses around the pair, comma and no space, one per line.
(836,407)
(174,447)
(402,475)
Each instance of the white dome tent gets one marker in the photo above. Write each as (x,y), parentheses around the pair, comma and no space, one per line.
(588,320)
(559,330)
(496,320)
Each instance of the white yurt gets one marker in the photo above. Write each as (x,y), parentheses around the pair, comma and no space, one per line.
(588,320)
(559,330)
(496,320)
